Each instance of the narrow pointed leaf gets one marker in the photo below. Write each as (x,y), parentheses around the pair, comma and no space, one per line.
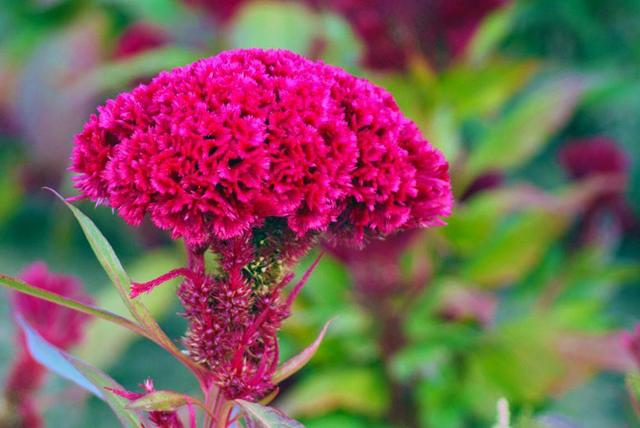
(106,257)
(113,267)
(22,287)
(53,358)
(78,372)
(128,417)
(290,367)
(162,401)
(259,416)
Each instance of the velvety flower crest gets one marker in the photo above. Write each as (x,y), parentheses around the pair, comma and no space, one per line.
(209,151)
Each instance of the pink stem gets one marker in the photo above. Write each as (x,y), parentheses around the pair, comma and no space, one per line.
(138,288)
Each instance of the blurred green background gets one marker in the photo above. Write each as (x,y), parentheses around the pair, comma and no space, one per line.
(521,296)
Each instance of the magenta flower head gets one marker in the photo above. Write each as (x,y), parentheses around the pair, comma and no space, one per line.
(254,154)
(212,150)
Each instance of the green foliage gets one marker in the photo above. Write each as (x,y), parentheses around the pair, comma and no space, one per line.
(359,390)
(536,74)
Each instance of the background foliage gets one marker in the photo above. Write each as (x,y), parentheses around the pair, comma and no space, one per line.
(507,300)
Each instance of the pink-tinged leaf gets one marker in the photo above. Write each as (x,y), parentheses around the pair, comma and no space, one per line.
(160,401)
(22,287)
(290,367)
(82,374)
(633,387)
(258,416)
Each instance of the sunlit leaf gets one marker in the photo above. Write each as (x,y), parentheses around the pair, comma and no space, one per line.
(163,401)
(487,38)
(339,46)
(163,12)
(357,390)
(270,24)
(290,367)
(442,132)
(511,252)
(482,91)
(525,129)
(633,386)
(120,73)
(266,417)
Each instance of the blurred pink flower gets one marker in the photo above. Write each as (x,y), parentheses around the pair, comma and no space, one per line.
(631,342)
(375,268)
(222,10)
(61,327)
(138,38)
(600,156)
(392,31)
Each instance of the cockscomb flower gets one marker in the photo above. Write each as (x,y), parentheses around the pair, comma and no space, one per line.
(253,155)
(59,326)
(211,150)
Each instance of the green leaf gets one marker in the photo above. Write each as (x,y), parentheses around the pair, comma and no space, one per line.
(82,374)
(127,417)
(479,92)
(266,417)
(25,288)
(162,401)
(267,24)
(342,47)
(169,13)
(513,251)
(115,75)
(524,130)
(112,266)
(633,386)
(492,31)
(518,361)
(358,390)
(442,131)
(99,336)
(296,363)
